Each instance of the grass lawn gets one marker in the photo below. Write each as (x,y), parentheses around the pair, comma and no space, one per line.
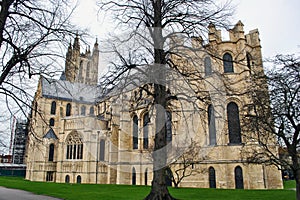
(127,192)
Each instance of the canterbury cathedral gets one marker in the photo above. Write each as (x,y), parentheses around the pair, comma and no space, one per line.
(80,134)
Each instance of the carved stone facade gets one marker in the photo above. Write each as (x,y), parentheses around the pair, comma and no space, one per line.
(77,136)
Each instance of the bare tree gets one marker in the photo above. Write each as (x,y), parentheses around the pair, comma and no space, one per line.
(151,25)
(277,115)
(184,164)
(32,37)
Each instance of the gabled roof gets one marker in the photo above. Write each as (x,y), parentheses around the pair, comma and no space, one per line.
(65,90)
(50,135)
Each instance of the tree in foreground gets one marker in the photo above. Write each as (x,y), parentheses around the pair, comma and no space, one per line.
(32,35)
(151,25)
(277,113)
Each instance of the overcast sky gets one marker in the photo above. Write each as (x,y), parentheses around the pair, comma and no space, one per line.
(278,22)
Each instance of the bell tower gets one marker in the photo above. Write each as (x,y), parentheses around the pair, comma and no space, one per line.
(81,67)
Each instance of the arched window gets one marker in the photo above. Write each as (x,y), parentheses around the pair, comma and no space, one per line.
(207,66)
(88,71)
(51,152)
(68,110)
(82,110)
(67,179)
(248,57)
(51,122)
(78,179)
(211,125)
(234,129)
(228,63)
(80,70)
(238,175)
(102,150)
(133,176)
(146,121)
(74,146)
(146,177)
(168,126)
(212,177)
(92,110)
(53,108)
(135,132)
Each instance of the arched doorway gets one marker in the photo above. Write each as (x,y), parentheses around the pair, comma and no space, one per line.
(238,175)
(78,179)
(67,179)
(212,177)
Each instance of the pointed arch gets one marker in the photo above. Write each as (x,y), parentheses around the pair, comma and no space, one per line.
(74,146)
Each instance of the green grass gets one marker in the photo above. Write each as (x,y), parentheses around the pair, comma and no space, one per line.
(127,192)
(289,184)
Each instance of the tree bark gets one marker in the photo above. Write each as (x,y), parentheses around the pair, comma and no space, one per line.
(159,190)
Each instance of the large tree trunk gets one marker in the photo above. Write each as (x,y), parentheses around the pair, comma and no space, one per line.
(159,190)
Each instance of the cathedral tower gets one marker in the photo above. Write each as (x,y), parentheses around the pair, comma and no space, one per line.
(81,67)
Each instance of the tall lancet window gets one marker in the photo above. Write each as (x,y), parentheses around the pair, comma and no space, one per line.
(211,125)
(135,132)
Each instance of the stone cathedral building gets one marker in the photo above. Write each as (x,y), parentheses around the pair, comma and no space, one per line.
(77,135)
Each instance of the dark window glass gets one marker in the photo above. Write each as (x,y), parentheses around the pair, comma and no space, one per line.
(207,66)
(74,147)
(169,126)
(88,71)
(146,177)
(102,150)
(92,110)
(212,125)
(234,128)
(133,176)
(67,179)
(212,177)
(51,122)
(68,110)
(238,174)
(51,152)
(78,179)
(145,130)
(83,110)
(248,57)
(135,133)
(53,108)
(228,63)
(49,176)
